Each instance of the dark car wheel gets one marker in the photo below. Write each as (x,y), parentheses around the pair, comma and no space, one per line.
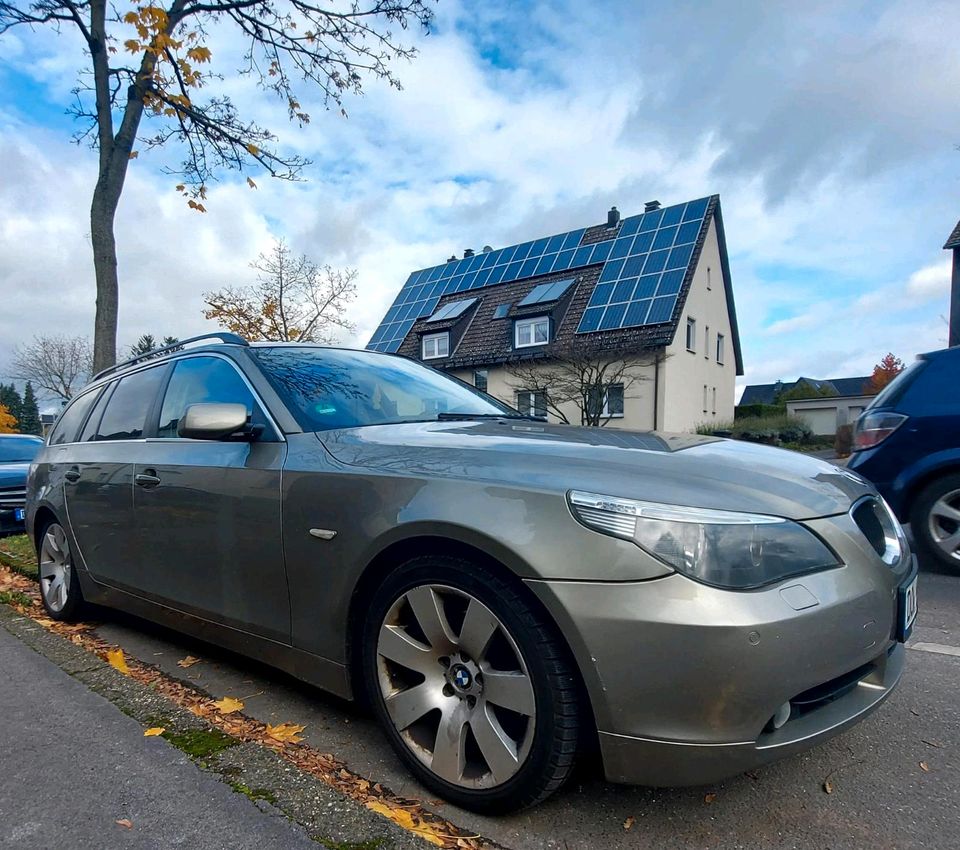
(473,686)
(935,519)
(59,588)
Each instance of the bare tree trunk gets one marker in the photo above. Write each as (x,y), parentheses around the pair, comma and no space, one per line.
(102,213)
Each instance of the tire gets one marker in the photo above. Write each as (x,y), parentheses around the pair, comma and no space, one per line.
(60,590)
(510,738)
(935,519)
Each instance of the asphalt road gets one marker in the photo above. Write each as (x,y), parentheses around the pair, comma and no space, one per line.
(881,796)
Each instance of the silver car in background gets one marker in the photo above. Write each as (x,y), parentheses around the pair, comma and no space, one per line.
(501,590)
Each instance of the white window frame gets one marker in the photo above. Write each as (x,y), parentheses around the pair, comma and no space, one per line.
(430,346)
(704,398)
(691,334)
(606,402)
(720,349)
(706,343)
(530,408)
(532,323)
(714,401)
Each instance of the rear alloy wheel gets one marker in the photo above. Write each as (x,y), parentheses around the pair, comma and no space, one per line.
(59,587)
(935,520)
(472,685)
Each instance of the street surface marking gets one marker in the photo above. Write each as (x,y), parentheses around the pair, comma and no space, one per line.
(938,648)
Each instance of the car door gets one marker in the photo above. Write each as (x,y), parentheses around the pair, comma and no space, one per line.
(207,512)
(97,471)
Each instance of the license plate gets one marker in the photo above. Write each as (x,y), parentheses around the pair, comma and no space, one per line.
(908,609)
(19,514)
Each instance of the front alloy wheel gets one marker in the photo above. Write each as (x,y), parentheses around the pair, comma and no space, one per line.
(473,686)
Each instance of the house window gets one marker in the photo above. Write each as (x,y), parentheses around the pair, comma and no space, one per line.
(480,379)
(532,403)
(436,345)
(704,398)
(708,277)
(691,334)
(720,349)
(706,343)
(532,332)
(714,401)
(613,401)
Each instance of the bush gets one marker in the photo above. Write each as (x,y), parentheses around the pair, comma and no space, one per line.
(747,411)
(774,430)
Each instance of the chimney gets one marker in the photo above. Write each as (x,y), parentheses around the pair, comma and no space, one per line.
(650,206)
(487,249)
(452,258)
(467,252)
(613,218)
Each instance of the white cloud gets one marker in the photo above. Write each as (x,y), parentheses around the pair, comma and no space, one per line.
(931,281)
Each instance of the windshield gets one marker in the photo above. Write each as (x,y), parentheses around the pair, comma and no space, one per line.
(19,449)
(329,388)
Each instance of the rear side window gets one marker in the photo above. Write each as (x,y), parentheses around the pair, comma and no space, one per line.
(126,413)
(65,431)
(90,429)
(199,380)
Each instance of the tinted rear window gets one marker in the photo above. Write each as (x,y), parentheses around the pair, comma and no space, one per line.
(65,431)
(126,413)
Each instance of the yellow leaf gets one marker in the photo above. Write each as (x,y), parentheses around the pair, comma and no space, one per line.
(228,705)
(199,54)
(403,818)
(154,731)
(251,184)
(189,661)
(629,822)
(286,732)
(253,149)
(132,45)
(117,660)
(133,154)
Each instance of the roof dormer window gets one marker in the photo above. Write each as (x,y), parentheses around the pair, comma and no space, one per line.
(530,332)
(434,346)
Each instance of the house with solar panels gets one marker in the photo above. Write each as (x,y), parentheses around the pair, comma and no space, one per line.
(651,290)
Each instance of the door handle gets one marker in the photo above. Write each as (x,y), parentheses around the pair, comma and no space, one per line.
(72,475)
(147,479)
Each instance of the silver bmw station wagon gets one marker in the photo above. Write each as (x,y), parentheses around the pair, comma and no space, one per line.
(501,590)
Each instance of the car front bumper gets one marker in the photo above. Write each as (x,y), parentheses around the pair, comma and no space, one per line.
(685,679)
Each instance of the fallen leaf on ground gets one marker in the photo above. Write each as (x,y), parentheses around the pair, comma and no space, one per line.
(118,661)
(153,731)
(924,767)
(629,822)
(709,798)
(828,787)
(189,661)
(228,705)
(286,732)
(403,818)
(126,823)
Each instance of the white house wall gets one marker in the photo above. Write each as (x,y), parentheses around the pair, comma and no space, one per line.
(685,373)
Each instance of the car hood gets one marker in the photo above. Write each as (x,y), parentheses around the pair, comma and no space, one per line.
(13,474)
(680,469)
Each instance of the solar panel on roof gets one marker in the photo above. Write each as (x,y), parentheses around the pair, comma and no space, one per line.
(452,310)
(657,246)
(501,311)
(546,292)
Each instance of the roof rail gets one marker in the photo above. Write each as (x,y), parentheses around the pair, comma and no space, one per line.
(223,336)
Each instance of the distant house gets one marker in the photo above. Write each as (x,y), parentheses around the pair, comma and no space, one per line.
(828,404)
(652,289)
(953,244)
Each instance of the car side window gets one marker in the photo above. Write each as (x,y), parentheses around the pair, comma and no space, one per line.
(93,420)
(65,431)
(198,380)
(126,413)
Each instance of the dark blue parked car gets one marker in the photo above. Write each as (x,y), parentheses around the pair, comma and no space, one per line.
(16,452)
(907,442)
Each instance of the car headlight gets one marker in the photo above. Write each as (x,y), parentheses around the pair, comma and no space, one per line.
(721,548)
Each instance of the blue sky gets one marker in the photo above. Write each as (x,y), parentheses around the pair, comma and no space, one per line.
(829,131)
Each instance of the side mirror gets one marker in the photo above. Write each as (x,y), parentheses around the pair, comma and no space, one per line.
(214,422)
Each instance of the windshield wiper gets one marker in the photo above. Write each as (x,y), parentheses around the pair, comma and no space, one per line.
(458,417)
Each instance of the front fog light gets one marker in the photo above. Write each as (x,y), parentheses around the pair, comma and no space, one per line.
(722,548)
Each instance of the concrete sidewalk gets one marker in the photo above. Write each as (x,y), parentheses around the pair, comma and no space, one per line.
(73,765)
